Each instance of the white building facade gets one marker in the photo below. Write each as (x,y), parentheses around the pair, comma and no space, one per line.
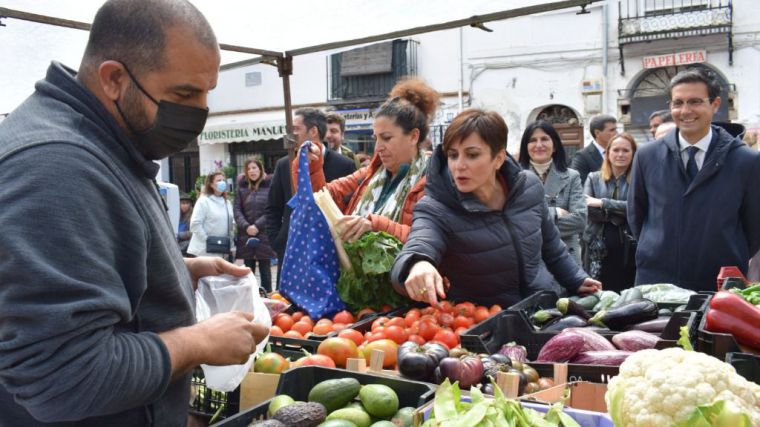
(561,66)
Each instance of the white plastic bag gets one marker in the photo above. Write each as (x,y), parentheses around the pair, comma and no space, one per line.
(222,294)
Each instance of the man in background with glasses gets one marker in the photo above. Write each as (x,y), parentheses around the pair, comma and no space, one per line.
(695,198)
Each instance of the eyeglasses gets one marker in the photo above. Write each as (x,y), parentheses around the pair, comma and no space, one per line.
(692,103)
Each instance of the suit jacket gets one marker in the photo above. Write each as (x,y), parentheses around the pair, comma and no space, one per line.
(687,231)
(586,161)
(277,211)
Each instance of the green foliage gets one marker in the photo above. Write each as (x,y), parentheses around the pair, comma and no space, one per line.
(369,283)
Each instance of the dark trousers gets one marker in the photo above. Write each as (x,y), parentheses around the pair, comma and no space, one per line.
(265,272)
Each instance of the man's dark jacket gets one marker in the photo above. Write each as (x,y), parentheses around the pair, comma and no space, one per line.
(686,232)
(489,256)
(90,272)
(586,161)
(278,212)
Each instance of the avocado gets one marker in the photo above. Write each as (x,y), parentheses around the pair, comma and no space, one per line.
(299,414)
(335,393)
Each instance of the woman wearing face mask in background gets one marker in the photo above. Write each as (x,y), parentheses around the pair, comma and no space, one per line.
(611,252)
(212,216)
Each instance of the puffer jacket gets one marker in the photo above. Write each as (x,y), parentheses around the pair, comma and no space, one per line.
(249,210)
(489,256)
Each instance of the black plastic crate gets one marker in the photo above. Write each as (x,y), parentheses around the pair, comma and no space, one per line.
(207,402)
(746,365)
(715,343)
(511,326)
(297,383)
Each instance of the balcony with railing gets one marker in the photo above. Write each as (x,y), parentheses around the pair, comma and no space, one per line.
(650,20)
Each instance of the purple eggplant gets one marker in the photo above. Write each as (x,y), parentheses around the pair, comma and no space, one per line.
(467,370)
(514,352)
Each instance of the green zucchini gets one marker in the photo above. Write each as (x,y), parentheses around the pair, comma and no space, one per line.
(588,302)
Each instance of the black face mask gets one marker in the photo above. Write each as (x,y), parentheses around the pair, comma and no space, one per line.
(175,127)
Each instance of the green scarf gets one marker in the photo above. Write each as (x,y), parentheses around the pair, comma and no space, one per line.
(394,203)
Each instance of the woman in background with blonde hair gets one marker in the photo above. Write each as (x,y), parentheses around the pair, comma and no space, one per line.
(611,249)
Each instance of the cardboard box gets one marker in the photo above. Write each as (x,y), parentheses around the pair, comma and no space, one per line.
(256,388)
(577,395)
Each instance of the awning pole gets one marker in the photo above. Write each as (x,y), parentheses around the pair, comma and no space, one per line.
(285,69)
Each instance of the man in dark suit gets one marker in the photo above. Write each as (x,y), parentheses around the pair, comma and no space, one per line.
(309,124)
(602,128)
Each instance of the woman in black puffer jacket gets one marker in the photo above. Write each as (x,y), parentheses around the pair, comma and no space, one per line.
(250,200)
(483,223)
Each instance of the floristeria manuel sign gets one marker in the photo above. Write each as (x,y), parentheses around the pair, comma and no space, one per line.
(242,132)
(679,58)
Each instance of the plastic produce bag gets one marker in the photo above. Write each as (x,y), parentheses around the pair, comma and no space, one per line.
(223,294)
(665,293)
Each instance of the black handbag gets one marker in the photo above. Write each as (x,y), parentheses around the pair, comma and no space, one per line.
(220,244)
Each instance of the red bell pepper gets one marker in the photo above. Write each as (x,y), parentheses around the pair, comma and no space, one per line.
(730,313)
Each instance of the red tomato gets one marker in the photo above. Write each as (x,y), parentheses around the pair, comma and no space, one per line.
(465,309)
(446,307)
(445,319)
(298,315)
(308,320)
(396,334)
(314,360)
(301,327)
(322,328)
(416,338)
(338,349)
(275,331)
(462,321)
(428,329)
(380,321)
(339,326)
(375,336)
(344,317)
(271,363)
(396,321)
(448,337)
(495,309)
(427,310)
(293,334)
(411,316)
(460,331)
(415,328)
(353,335)
(481,314)
(284,321)
(386,308)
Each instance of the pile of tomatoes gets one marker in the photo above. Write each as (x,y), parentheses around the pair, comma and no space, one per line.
(300,326)
(443,324)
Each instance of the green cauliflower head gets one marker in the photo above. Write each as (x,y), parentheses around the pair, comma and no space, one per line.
(658,388)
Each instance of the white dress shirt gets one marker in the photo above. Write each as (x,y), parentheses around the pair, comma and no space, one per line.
(703,145)
(599,147)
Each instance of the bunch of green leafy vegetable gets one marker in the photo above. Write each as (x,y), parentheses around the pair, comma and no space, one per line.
(750,294)
(368,284)
(450,411)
